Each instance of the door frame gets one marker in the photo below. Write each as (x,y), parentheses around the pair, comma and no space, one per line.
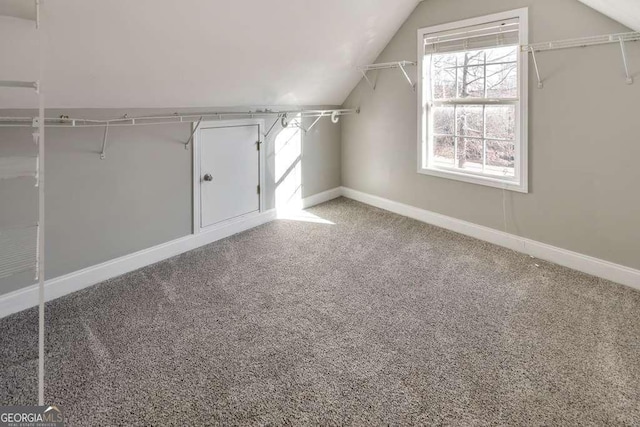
(197,181)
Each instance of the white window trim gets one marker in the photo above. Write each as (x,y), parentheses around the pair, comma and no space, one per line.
(521,183)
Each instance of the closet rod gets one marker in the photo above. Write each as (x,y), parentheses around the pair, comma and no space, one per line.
(170,119)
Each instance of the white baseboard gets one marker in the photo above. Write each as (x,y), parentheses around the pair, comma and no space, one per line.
(298,204)
(25,298)
(584,263)
(325,196)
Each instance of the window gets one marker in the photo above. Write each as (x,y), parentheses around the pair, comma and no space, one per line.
(473,101)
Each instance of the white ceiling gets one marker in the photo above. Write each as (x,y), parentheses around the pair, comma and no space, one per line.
(626,12)
(197,53)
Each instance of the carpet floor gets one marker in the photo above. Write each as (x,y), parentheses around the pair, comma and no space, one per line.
(356,316)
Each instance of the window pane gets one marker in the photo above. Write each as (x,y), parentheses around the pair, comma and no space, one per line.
(501,122)
(470,82)
(444,150)
(500,158)
(502,81)
(469,121)
(502,54)
(443,121)
(470,154)
(443,72)
(445,60)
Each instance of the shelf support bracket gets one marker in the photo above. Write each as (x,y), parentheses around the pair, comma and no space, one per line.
(372,84)
(625,60)
(406,76)
(535,64)
(103,153)
(193,132)
(266,135)
(312,125)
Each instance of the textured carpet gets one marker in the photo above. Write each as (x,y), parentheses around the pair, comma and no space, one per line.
(376,319)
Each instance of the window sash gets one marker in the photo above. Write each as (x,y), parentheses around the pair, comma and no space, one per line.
(429,71)
(452,67)
(477,37)
(483,175)
(485,138)
(431,136)
(473,101)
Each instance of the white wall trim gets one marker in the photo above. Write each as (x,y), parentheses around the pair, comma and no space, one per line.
(584,263)
(325,196)
(25,298)
(310,201)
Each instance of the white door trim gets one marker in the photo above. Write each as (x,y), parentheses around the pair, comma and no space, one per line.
(197,144)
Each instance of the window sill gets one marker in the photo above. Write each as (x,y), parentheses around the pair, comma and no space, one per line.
(519,187)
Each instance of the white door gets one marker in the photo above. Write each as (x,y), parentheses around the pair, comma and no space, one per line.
(229,173)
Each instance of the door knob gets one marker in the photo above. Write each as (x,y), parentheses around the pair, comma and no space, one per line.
(207,177)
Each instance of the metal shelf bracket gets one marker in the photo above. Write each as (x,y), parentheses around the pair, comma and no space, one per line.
(278,118)
(103,153)
(623,49)
(406,76)
(535,64)
(195,129)
(315,122)
(368,80)
(402,65)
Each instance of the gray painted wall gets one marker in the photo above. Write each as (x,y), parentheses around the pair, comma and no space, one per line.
(321,156)
(139,197)
(583,137)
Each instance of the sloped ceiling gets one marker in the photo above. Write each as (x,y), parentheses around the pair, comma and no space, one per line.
(626,12)
(197,53)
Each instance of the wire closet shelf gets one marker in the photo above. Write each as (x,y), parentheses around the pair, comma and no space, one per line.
(126,120)
(621,38)
(18,250)
(401,65)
